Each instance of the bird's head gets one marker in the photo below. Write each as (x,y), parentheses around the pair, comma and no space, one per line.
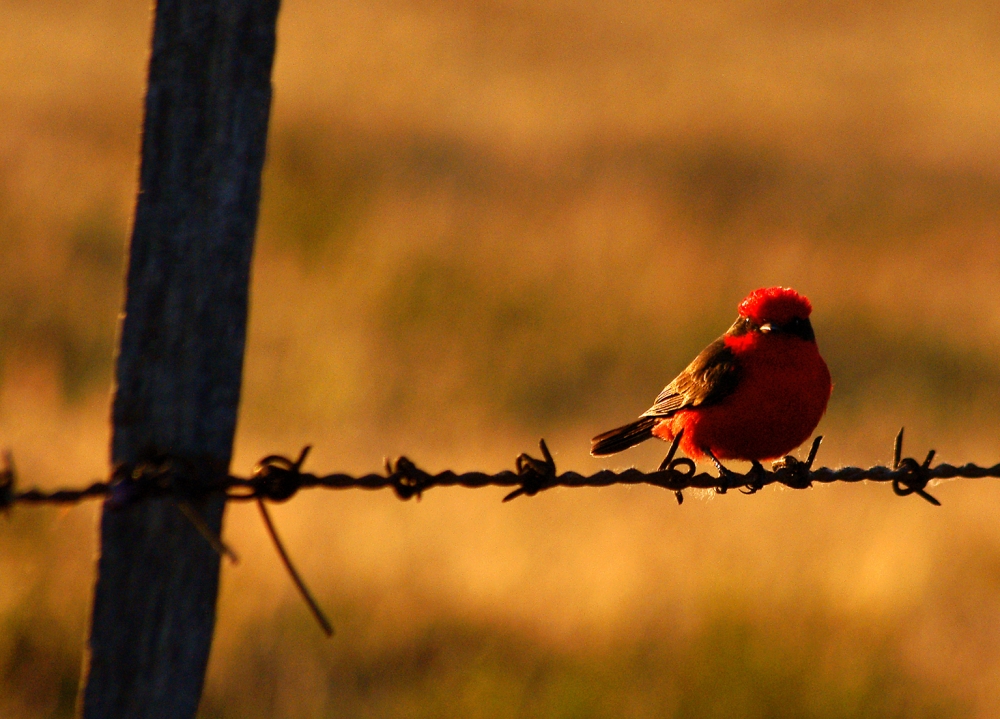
(775,310)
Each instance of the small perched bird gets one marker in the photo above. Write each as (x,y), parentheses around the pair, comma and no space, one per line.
(755,393)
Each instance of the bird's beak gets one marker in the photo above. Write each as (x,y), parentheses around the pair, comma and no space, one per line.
(767,327)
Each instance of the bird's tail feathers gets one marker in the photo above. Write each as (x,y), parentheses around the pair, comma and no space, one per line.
(621,438)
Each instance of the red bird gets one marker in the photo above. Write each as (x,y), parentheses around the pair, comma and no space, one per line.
(755,393)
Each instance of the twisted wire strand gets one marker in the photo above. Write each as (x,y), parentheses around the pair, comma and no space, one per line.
(278,478)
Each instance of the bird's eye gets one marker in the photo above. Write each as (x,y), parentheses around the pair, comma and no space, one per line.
(766,327)
(801,327)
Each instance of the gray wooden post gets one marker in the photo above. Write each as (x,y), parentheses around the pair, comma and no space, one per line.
(180,355)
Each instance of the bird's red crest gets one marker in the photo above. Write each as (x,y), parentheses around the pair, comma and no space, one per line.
(775,304)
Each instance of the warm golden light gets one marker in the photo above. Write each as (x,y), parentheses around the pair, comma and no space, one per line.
(485,222)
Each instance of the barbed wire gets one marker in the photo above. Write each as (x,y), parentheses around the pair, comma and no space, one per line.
(277,478)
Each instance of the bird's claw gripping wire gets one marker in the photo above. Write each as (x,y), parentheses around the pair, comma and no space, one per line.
(534,474)
(725,475)
(915,476)
(754,478)
(794,472)
(669,464)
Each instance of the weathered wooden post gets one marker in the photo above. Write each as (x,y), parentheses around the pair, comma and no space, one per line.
(180,356)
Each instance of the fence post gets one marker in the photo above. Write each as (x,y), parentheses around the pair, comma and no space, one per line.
(180,355)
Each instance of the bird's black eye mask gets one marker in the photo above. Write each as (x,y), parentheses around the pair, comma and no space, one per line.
(798,327)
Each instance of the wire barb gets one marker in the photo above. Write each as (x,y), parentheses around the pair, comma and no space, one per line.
(914,476)
(277,478)
(535,474)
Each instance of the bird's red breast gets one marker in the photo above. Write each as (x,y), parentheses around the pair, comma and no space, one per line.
(782,393)
(756,393)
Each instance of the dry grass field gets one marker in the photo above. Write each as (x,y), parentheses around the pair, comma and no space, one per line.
(489,221)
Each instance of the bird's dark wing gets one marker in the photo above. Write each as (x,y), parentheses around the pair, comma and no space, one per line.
(708,379)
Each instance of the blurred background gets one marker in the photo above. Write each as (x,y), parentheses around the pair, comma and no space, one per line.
(489,221)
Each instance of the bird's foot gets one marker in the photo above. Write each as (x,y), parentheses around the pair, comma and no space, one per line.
(668,461)
(681,465)
(725,475)
(755,478)
(796,472)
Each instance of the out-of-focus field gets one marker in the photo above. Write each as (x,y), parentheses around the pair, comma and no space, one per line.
(487,221)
